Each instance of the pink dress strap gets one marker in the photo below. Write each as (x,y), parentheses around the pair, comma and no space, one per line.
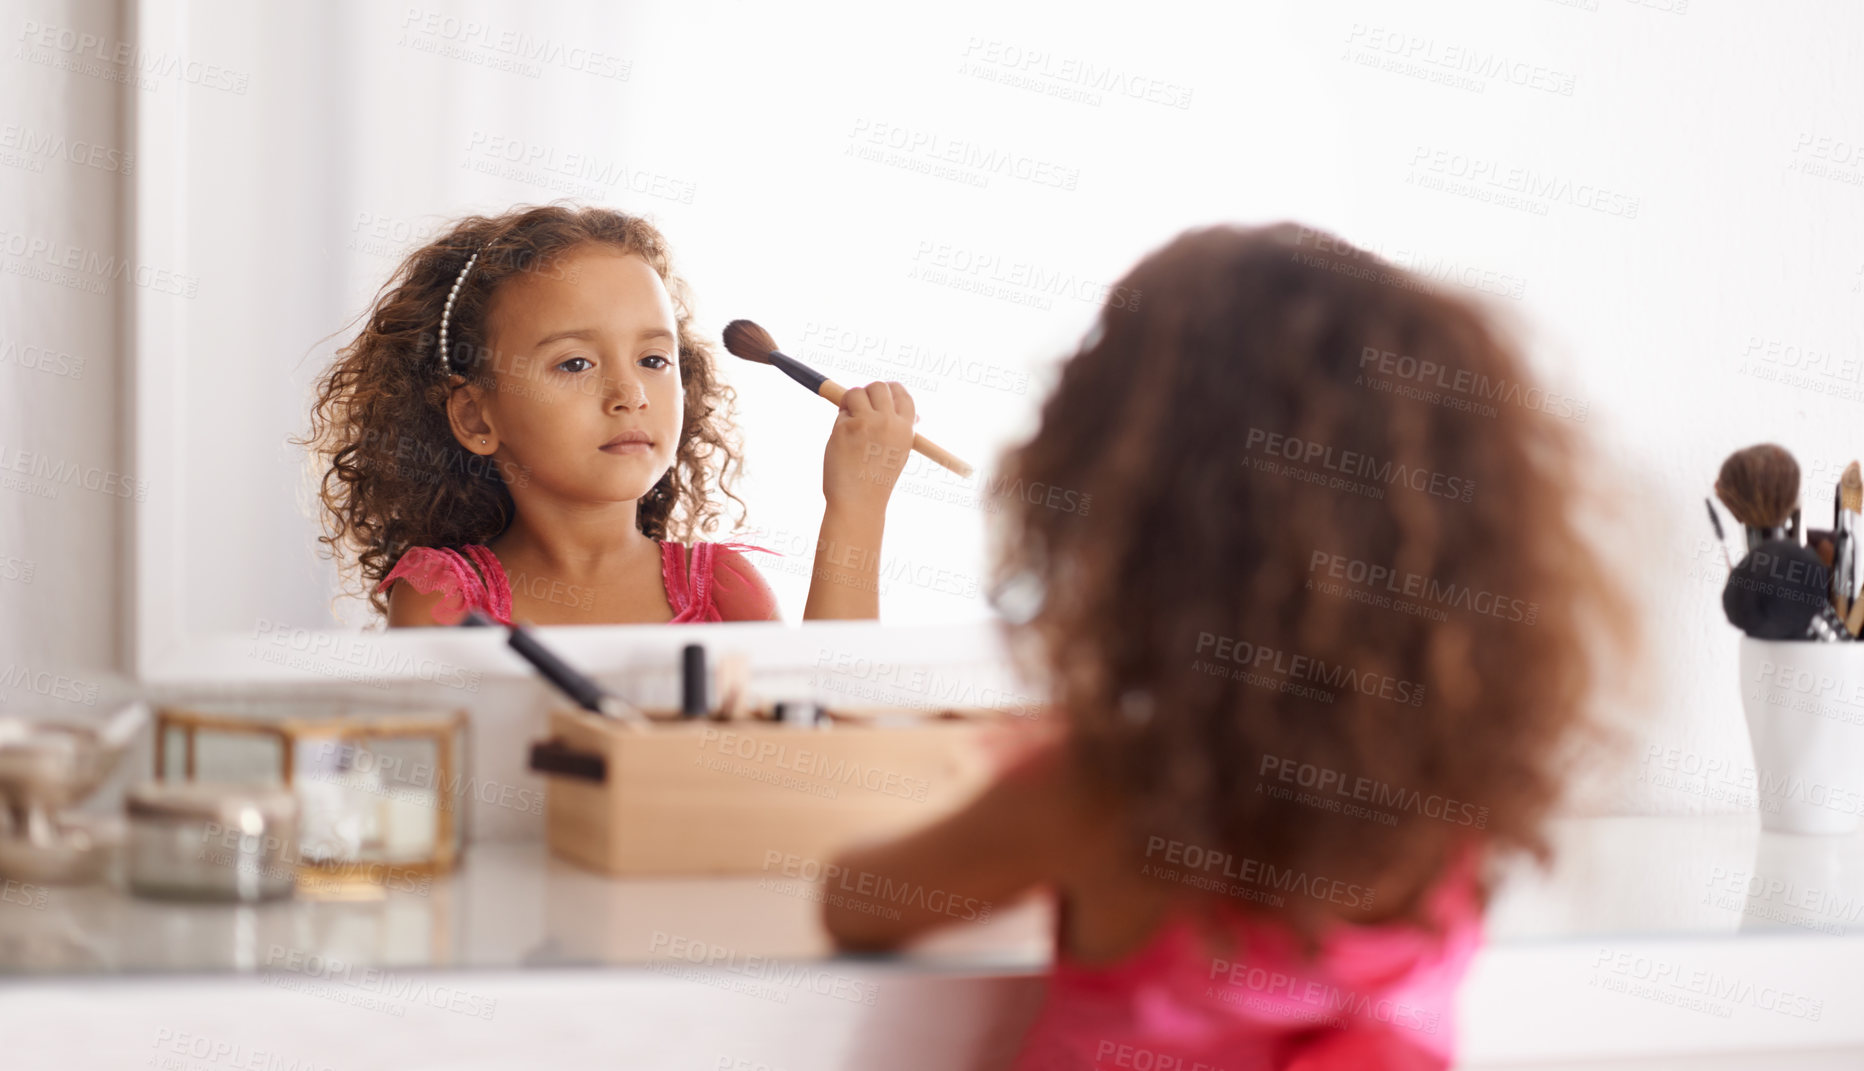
(468,579)
(690,586)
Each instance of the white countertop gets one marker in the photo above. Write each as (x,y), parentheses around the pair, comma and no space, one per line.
(512,905)
(1649,936)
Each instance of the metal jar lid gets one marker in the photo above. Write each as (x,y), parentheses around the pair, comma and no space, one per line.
(248,808)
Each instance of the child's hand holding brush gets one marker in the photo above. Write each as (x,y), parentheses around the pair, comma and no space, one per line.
(867,450)
(867,447)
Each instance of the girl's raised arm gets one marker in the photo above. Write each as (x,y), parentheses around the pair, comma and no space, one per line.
(867,450)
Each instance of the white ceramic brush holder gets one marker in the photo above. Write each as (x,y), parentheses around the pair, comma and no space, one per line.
(1805,714)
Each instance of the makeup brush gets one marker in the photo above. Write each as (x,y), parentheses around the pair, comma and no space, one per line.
(1845,521)
(753,343)
(1841,549)
(1760,486)
(1779,592)
(1721,539)
(587,693)
(1819,541)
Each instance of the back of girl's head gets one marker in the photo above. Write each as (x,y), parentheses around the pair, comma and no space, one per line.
(1328,608)
(396,476)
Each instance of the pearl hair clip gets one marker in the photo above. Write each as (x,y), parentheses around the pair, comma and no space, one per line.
(446,363)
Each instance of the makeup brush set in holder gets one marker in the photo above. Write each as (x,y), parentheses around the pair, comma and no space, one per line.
(1795,595)
(1792,583)
(728,782)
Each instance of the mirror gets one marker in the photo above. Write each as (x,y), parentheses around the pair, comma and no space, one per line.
(956,227)
(949,209)
(775,207)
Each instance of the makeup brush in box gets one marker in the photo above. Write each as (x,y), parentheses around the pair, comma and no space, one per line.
(571,682)
(751,342)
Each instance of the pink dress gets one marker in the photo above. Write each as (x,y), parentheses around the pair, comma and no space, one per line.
(473,579)
(1375,998)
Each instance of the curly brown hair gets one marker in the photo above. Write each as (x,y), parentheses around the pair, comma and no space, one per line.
(397,478)
(1324,614)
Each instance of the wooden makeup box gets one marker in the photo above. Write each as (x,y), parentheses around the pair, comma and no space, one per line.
(702,796)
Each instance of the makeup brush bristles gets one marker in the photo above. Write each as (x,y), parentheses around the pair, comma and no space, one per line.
(749,341)
(1759,485)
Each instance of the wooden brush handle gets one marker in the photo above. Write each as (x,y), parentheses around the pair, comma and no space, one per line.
(926,447)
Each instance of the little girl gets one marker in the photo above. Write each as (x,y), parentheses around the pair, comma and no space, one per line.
(529,426)
(1317,655)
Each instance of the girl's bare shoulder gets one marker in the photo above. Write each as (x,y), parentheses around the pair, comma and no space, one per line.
(409,607)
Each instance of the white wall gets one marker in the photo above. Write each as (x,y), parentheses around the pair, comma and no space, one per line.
(65,163)
(1668,325)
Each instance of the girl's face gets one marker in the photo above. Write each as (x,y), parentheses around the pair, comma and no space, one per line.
(585,401)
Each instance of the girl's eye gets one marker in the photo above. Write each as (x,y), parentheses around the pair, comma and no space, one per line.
(664,363)
(584,364)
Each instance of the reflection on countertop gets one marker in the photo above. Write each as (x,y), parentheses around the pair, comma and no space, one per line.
(512,905)
(508,905)
(1700,876)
